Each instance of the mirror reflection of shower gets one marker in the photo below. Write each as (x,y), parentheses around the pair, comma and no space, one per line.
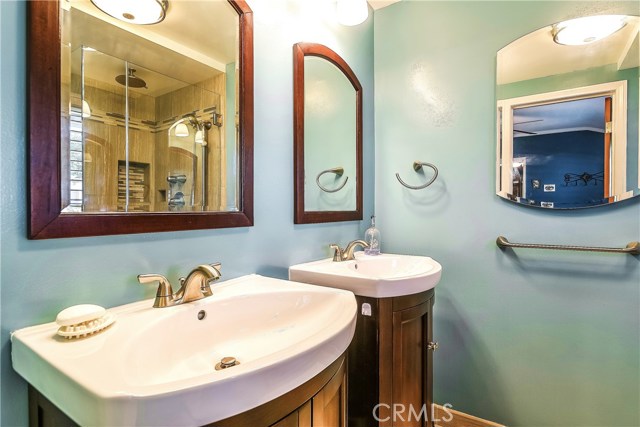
(190,133)
(132,127)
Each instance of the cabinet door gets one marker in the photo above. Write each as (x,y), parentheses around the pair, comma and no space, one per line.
(412,366)
(329,405)
(43,413)
(299,418)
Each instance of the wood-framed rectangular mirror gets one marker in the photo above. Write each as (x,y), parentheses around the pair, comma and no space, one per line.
(135,128)
(327,103)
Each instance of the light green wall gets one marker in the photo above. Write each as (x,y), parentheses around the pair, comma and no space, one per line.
(2,130)
(527,338)
(590,76)
(39,278)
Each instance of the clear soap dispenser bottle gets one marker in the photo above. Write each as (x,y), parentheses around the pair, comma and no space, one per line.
(372,237)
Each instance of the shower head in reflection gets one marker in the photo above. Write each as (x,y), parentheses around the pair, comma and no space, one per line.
(131,79)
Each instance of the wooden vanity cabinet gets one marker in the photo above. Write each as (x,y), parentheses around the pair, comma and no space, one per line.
(320,402)
(391,362)
(326,409)
(43,413)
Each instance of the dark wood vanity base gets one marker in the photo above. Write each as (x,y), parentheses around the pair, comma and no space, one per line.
(321,401)
(389,362)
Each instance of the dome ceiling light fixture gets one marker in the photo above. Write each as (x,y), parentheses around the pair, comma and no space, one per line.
(589,29)
(141,12)
(181,130)
(86,110)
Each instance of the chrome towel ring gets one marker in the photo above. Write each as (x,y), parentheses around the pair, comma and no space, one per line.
(338,171)
(417,166)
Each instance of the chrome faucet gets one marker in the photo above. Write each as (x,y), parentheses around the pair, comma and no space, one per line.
(195,286)
(346,254)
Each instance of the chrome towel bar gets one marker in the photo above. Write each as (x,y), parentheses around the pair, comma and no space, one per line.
(633,248)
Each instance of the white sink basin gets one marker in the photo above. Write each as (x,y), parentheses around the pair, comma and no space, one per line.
(155,366)
(380,276)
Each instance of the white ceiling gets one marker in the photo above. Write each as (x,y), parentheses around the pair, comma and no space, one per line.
(193,43)
(583,114)
(205,30)
(379,4)
(537,55)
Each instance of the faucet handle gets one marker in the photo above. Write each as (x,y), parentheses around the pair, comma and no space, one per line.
(337,252)
(206,284)
(217,266)
(164,294)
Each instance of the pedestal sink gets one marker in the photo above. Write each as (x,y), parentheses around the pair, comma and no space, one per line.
(156,366)
(379,276)
(394,330)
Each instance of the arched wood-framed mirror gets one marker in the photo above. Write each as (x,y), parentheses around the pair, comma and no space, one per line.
(49,183)
(327,121)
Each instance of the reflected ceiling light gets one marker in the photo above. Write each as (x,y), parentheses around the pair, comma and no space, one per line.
(589,29)
(86,110)
(352,12)
(142,12)
(182,130)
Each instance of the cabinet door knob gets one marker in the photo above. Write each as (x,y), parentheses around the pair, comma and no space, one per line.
(433,346)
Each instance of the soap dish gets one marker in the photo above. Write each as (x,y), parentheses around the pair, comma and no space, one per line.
(83,320)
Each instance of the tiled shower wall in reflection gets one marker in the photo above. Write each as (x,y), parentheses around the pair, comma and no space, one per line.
(104,140)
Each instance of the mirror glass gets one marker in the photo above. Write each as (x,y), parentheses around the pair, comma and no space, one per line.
(567,115)
(327,136)
(150,112)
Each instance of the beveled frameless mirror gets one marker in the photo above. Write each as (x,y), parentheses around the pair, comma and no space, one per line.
(327,102)
(139,128)
(567,114)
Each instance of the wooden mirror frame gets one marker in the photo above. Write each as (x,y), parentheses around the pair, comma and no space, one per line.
(300,50)
(46,220)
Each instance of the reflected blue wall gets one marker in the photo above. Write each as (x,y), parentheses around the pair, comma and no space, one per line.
(551,156)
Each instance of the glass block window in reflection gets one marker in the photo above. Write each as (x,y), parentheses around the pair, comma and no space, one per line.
(76,161)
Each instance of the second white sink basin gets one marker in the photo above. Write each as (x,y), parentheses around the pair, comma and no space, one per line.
(380,276)
(155,366)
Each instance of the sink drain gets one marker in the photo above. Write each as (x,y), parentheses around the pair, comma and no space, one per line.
(226,362)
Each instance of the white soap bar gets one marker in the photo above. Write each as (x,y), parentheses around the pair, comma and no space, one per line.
(79,313)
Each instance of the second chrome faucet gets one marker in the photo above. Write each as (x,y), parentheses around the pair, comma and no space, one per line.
(195,286)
